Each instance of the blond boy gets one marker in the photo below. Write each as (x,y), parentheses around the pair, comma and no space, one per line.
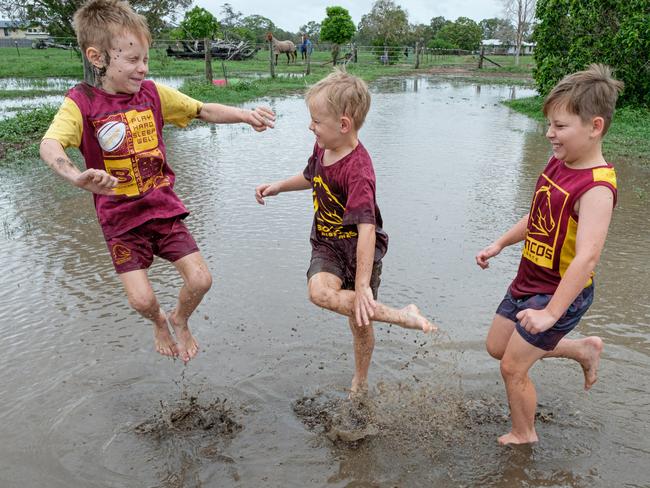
(347,239)
(117,125)
(564,234)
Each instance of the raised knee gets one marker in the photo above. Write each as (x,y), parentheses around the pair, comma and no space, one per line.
(494,351)
(200,282)
(144,304)
(317,294)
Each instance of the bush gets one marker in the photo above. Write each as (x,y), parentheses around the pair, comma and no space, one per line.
(572,34)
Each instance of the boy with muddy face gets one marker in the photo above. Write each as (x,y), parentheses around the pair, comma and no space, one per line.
(563,235)
(347,239)
(118,127)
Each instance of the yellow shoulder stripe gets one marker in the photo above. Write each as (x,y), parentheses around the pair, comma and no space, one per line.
(605,174)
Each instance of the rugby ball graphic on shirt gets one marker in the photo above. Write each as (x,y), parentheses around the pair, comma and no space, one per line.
(111,135)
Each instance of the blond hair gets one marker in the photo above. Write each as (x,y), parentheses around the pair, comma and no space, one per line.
(98,22)
(587,94)
(345,95)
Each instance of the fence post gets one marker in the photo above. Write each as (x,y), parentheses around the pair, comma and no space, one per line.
(207,46)
(354,53)
(308,68)
(271,59)
(480,59)
(417,54)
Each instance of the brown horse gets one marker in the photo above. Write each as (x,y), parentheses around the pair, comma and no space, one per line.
(287,47)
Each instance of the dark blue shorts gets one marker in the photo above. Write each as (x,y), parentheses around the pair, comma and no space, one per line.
(547,340)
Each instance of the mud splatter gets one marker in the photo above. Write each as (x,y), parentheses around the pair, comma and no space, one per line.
(191,416)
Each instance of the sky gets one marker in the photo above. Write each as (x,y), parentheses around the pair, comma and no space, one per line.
(290,15)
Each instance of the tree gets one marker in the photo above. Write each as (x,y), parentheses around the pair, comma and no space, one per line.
(464,33)
(386,22)
(199,24)
(311,29)
(56,15)
(496,28)
(436,24)
(258,25)
(571,34)
(337,28)
(521,13)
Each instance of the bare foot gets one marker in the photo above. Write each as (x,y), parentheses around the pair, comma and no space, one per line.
(163,340)
(593,346)
(510,438)
(186,344)
(359,388)
(415,319)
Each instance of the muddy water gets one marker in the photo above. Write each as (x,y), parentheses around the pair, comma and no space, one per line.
(85,402)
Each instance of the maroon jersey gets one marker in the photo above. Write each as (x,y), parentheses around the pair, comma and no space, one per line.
(550,241)
(122,134)
(344,196)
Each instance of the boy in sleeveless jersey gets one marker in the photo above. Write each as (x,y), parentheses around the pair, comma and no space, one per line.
(563,235)
(117,125)
(347,238)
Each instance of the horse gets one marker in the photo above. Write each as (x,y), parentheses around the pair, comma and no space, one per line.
(287,47)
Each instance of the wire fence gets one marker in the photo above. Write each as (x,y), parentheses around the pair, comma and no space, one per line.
(231,58)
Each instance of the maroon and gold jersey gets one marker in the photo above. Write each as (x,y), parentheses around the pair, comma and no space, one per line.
(344,196)
(550,243)
(122,135)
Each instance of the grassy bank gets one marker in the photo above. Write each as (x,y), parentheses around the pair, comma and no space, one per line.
(628,138)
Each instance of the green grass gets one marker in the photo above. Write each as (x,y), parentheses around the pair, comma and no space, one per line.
(628,138)
(17,134)
(7,94)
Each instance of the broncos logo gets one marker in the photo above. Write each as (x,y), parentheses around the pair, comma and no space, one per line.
(327,207)
(329,211)
(121,254)
(542,221)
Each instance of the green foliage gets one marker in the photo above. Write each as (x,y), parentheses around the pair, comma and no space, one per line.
(464,33)
(438,43)
(386,22)
(199,24)
(31,123)
(337,27)
(56,16)
(572,34)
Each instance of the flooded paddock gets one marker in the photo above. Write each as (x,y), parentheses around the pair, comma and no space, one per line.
(85,402)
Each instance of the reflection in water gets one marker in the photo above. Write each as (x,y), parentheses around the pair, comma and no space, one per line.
(454,169)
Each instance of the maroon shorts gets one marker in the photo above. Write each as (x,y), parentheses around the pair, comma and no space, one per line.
(325,260)
(135,249)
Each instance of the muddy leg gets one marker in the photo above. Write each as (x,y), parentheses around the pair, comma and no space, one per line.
(325,291)
(143,300)
(364,343)
(196,283)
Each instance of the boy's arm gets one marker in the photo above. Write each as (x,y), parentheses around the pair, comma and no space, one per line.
(515,234)
(364,302)
(259,119)
(294,183)
(93,180)
(595,212)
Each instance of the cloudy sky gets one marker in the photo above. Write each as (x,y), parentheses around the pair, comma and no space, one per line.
(291,14)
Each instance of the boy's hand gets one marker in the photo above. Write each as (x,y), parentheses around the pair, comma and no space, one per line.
(487,253)
(364,306)
(266,190)
(536,321)
(261,118)
(96,181)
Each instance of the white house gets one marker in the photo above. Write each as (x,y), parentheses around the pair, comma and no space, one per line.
(12,29)
(496,46)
